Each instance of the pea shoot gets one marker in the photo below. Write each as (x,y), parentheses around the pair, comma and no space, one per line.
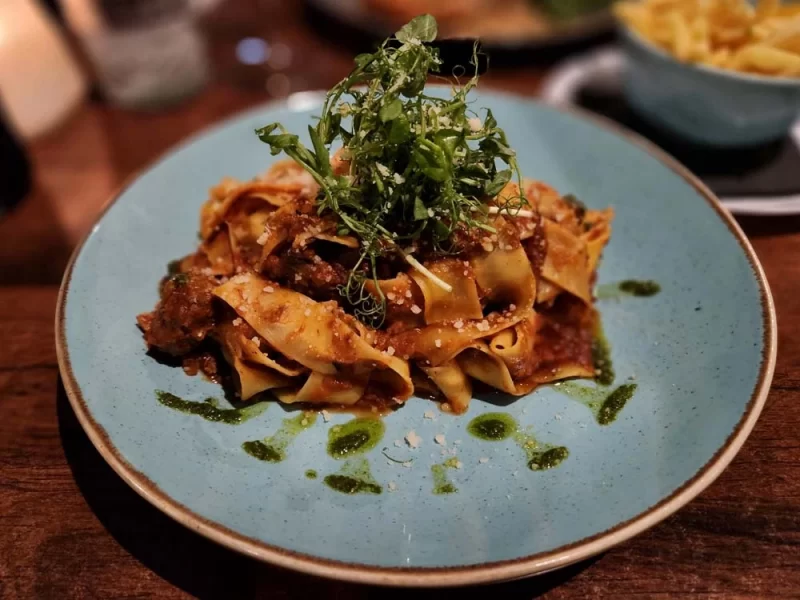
(419,167)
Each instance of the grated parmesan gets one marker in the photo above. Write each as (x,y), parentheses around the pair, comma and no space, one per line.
(412,439)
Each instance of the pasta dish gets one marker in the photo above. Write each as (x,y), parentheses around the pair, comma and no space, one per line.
(412,259)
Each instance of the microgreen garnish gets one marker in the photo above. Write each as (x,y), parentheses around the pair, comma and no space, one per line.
(420,166)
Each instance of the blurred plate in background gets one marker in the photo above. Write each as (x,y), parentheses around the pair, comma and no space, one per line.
(504,27)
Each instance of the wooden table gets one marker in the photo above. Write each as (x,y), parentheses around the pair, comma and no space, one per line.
(69,526)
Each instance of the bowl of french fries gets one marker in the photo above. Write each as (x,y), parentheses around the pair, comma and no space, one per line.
(716,72)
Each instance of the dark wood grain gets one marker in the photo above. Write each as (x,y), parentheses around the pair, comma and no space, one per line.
(70,528)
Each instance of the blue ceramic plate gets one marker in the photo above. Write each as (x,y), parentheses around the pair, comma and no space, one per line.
(701,351)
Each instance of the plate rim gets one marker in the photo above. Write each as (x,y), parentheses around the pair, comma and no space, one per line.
(487,572)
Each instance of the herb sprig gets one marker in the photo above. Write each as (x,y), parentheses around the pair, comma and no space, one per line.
(420,167)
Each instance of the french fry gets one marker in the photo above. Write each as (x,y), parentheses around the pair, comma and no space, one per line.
(767,8)
(720,58)
(789,10)
(681,38)
(791,44)
(785,37)
(768,60)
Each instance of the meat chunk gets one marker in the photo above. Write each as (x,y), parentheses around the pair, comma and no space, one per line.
(184,315)
(302,271)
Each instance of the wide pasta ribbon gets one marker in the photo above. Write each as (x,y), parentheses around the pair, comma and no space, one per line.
(509,360)
(314,335)
(461,302)
(599,223)
(256,372)
(566,263)
(508,282)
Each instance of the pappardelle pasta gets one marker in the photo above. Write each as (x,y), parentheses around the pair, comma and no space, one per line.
(403,263)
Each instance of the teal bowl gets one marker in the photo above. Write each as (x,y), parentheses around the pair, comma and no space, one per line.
(701,352)
(706,105)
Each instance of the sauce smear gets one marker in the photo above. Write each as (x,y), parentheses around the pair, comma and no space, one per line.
(441,483)
(273,449)
(209,409)
(495,427)
(354,437)
(605,406)
(355,477)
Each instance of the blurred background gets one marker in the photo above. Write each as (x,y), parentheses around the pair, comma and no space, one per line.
(91,91)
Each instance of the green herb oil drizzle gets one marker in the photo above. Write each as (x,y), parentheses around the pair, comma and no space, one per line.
(209,409)
(355,477)
(605,406)
(629,287)
(601,358)
(540,457)
(441,483)
(495,427)
(492,427)
(354,437)
(273,448)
